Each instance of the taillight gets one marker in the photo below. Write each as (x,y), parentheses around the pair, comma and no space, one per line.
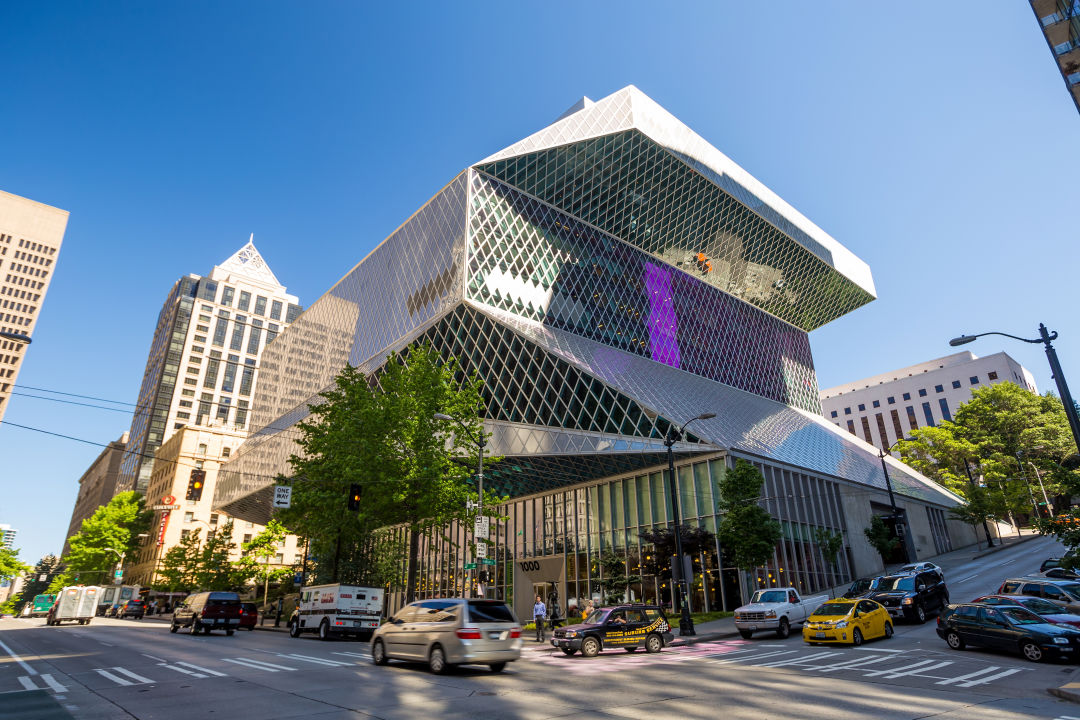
(469,633)
(515,632)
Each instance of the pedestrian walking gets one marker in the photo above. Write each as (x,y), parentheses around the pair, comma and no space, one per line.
(587,611)
(539,613)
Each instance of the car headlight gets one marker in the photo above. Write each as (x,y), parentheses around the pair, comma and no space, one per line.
(770,614)
(571,633)
(841,625)
(909,601)
(1061,641)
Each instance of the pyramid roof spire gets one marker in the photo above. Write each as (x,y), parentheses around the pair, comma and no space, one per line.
(247,262)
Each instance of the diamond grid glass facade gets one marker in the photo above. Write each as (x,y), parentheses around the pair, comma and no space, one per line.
(568,278)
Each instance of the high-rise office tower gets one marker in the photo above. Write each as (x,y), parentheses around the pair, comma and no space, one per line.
(1060,22)
(204,356)
(30,237)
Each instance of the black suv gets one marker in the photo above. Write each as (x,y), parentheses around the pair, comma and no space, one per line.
(912,596)
(206,611)
(625,626)
(1007,627)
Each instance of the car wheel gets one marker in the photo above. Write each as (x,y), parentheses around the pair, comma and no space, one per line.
(856,637)
(324,630)
(497,667)
(378,653)
(654,644)
(590,647)
(954,640)
(568,651)
(920,614)
(437,660)
(783,629)
(230,632)
(746,634)
(173,628)
(1031,651)
(888,630)
(294,629)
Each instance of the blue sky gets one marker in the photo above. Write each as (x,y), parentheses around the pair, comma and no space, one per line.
(943,152)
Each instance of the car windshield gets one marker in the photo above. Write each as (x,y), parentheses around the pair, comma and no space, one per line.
(597,617)
(832,608)
(1019,616)
(769,596)
(861,586)
(896,583)
(1040,606)
(910,568)
(1073,589)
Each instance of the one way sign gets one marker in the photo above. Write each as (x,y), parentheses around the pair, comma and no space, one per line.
(282,496)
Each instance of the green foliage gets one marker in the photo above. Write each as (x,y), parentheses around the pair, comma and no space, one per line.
(10,564)
(180,564)
(694,540)
(116,525)
(980,506)
(613,577)
(262,548)
(829,543)
(1066,528)
(881,537)
(49,566)
(748,534)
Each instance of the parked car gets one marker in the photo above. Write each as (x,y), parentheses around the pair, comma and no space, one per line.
(206,611)
(1065,593)
(921,567)
(1060,573)
(1043,608)
(862,587)
(448,632)
(628,626)
(249,615)
(1054,562)
(131,608)
(776,609)
(912,596)
(847,621)
(1007,627)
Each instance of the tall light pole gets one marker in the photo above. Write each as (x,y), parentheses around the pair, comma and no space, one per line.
(120,563)
(898,522)
(1046,338)
(686,623)
(986,527)
(479,505)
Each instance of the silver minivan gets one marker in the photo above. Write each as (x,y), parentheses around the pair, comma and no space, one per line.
(1064,593)
(450,631)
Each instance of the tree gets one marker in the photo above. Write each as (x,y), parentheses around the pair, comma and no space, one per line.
(10,564)
(180,564)
(978,509)
(695,540)
(215,571)
(48,566)
(112,529)
(613,578)
(830,544)
(748,534)
(263,547)
(881,538)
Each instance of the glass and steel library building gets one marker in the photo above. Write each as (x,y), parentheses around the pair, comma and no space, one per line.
(607,277)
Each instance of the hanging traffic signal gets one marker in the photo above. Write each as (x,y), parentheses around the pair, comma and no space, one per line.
(354,497)
(195,484)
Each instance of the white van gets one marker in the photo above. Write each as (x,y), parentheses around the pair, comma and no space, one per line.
(337,610)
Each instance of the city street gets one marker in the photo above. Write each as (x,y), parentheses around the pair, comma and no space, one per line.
(113,669)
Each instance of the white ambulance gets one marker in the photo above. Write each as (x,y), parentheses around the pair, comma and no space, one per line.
(337,610)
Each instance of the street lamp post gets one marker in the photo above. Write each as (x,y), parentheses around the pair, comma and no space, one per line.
(986,527)
(119,564)
(1046,338)
(17,337)
(480,444)
(898,522)
(1031,494)
(686,623)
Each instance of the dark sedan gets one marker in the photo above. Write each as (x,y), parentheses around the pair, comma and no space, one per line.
(1045,609)
(1007,627)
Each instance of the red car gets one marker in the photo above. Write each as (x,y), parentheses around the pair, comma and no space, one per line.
(1045,609)
(249,615)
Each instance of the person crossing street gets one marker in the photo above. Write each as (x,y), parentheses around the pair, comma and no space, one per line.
(539,613)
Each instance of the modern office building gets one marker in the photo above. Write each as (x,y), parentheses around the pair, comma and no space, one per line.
(96,486)
(195,451)
(1060,23)
(204,356)
(30,237)
(609,277)
(887,407)
(7,535)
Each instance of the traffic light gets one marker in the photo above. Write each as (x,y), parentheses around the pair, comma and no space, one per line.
(354,497)
(195,484)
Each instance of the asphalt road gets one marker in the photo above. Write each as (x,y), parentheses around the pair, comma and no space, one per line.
(137,669)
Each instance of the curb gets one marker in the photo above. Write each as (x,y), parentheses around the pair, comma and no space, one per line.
(707,637)
(1069,691)
(999,547)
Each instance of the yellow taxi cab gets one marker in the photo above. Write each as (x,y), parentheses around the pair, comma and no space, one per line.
(847,621)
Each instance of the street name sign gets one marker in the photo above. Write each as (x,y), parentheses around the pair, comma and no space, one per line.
(165,507)
(282,496)
(487,561)
(470,566)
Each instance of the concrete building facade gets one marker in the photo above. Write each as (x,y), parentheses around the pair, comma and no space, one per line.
(194,448)
(96,486)
(885,408)
(30,238)
(204,356)
(1060,24)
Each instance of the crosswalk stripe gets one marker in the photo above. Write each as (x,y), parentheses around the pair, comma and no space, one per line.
(989,678)
(916,671)
(755,657)
(848,664)
(961,678)
(114,678)
(797,660)
(352,654)
(920,664)
(57,687)
(310,659)
(201,669)
(258,664)
(133,676)
(175,668)
(27,683)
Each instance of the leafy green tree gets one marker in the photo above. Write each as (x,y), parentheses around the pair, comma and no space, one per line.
(613,576)
(978,509)
(881,538)
(115,526)
(48,566)
(830,544)
(10,564)
(180,564)
(748,534)
(695,540)
(263,547)
(215,571)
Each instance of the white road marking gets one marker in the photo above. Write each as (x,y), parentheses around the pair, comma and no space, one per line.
(755,657)
(57,687)
(182,670)
(875,673)
(310,659)
(871,649)
(257,664)
(916,671)
(201,669)
(105,643)
(29,670)
(27,683)
(798,660)
(153,657)
(114,678)
(133,676)
(990,678)
(352,654)
(851,664)
(961,678)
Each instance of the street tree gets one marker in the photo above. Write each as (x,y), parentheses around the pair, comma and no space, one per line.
(614,579)
(262,548)
(37,581)
(830,544)
(112,530)
(748,533)
(180,564)
(881,538)
(214,568)
(10,564)
(695,541)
